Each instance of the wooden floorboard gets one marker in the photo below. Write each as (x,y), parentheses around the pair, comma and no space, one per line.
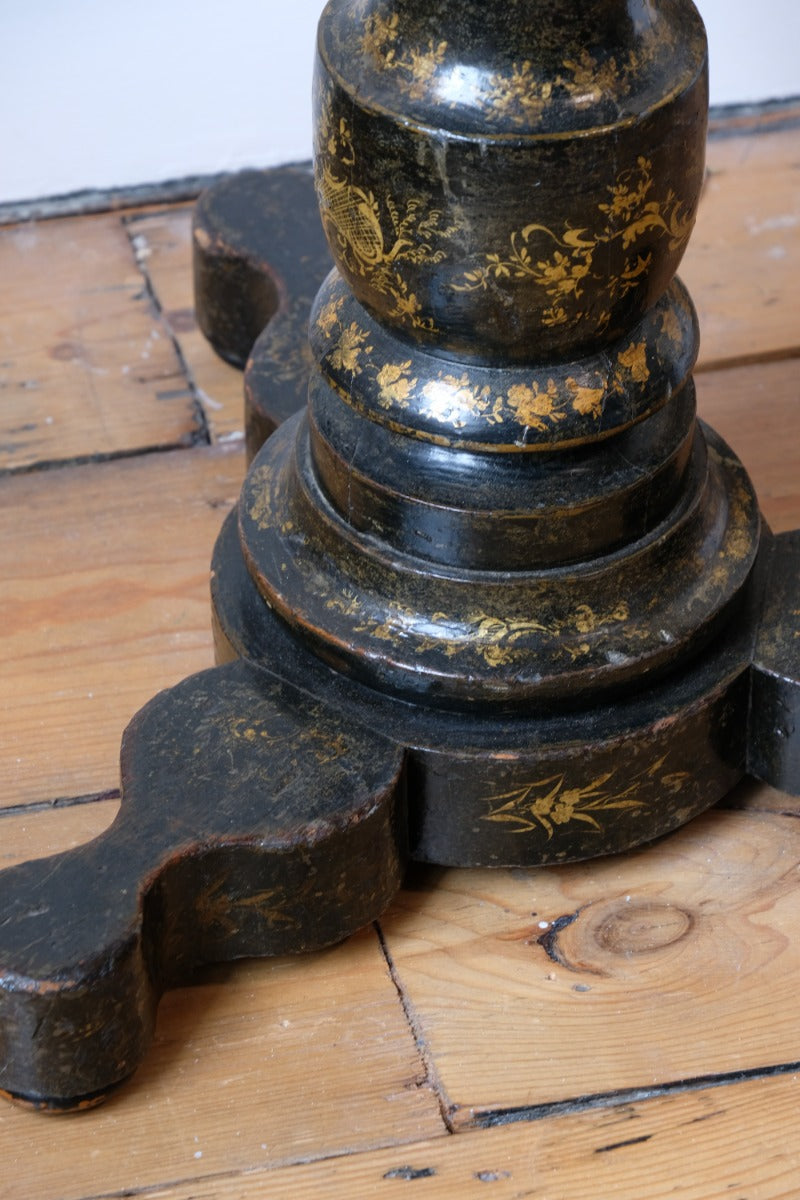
(741,265)
(257,1065)
(756,410)
(624,1028)
(716,1143)
(678,961)
(165,241)
(103,601)
(87,367)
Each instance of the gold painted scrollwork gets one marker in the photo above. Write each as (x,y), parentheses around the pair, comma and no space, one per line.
(355,220)
(629,214)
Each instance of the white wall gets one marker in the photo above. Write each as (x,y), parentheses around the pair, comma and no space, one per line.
(113,93)
(754,49)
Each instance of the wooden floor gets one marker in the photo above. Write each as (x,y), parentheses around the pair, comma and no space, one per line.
(444,1053)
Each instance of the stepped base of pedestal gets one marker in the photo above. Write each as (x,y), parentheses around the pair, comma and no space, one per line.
(528,790)
(253,821)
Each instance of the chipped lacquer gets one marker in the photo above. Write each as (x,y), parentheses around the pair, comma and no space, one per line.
(491,593)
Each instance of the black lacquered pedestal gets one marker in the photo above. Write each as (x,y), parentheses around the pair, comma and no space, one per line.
(491,594)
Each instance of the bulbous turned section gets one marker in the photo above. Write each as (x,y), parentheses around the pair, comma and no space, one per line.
(530,525)
(505,408)
(512,181)
(527,67)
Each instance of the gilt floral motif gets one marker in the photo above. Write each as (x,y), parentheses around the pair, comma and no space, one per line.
(351,344)
(543,804)
(564,275)
(499,641)
(518,96)
(534,404)
(416,68)
(395,384)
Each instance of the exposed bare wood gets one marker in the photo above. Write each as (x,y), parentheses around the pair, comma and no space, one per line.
(755,408)
(86,366)
(103,601)
(165,239)
(703,1145)
(742,262)
(671,963)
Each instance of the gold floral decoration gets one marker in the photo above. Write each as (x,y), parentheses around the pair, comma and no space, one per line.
(521,97)
(589,79)
(414,70)
(347,603)
(629,201)
(546,803)
(634,359)
(328,317)
(347,351)
(449,396)
(518,97)
(738,545)
(395,384)
(498,640)
(629,214)
(671,326)
(380,35)
(260,486)
(588,401)
(533,407)
(456,398)
(586,620)
(290,356)
(217,907)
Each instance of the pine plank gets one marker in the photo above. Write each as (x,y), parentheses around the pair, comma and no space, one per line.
(728,1142)
(756,119)
(40,833)
(257,1064)
(103,602)
(251,1070)
(671,963)
(758,797)
(164,243)
(755,408)
(742,265)
(86,366)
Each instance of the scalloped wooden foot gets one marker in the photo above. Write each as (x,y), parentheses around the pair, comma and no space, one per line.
(260,256)
(254,821)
